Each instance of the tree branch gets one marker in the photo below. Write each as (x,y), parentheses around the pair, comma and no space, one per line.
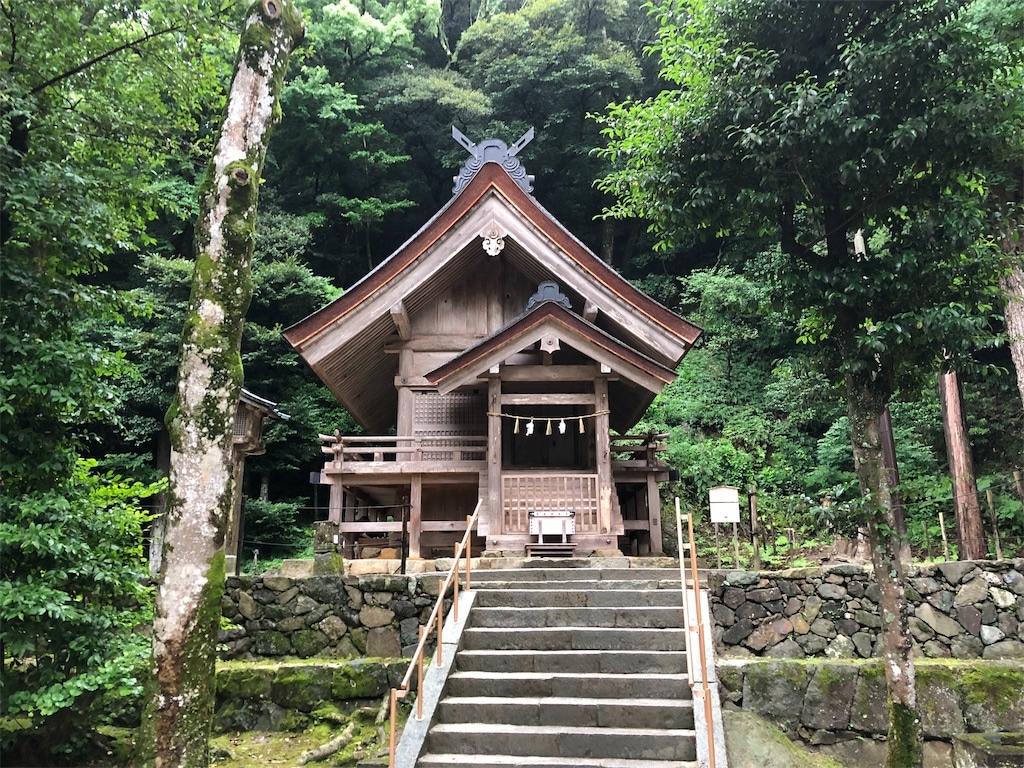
(101,57)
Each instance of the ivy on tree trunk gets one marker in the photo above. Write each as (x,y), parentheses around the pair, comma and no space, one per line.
(179,709)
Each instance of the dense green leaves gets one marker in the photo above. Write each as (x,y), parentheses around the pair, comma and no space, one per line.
(71,596)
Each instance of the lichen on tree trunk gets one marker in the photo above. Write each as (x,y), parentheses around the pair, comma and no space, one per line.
(867,401)
(179,708)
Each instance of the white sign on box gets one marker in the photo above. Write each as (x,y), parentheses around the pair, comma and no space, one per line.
(725,504)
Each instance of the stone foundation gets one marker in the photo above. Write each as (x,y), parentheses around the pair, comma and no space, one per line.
(961,610)
(291,696)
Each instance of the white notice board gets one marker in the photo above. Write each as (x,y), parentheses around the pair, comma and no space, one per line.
(725,504)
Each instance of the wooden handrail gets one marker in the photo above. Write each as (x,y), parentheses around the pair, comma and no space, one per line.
(436,617)
(695,625)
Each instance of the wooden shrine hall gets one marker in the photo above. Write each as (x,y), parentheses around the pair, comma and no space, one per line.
(493,356)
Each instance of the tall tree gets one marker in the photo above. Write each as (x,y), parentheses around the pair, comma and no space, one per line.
(187,611)
(817,124)
(548,65)
(83,173)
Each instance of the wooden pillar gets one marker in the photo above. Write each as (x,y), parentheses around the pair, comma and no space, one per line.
(406,397)
(346,512)
(336,502)
(602,444)
(493,512)
(232,545)
(415,515)
(654,513)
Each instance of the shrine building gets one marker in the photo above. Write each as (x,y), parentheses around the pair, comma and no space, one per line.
(494,357)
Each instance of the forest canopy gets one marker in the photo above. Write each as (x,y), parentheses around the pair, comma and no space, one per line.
(832,190)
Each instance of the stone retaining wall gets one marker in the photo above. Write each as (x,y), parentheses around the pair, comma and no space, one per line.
(825,703)
(294,695)
(962,610)
(376,615)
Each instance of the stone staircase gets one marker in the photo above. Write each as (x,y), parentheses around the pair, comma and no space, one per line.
(579,667)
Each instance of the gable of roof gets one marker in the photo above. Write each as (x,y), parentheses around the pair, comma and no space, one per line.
(544,320)
(343,342)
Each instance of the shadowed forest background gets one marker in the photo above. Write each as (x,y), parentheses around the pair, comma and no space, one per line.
(107,116)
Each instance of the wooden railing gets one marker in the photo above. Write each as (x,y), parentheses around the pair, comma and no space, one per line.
(693,618)
(537,491)
(391,448)
(638,450)
(434,623)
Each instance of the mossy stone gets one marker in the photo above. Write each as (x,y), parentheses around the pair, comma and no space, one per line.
(308,642)
(869,712)
(267,643)
(301,687)
(939,701)
(776,690)
(993,696)
(244,682)
(829,692)
(360,680)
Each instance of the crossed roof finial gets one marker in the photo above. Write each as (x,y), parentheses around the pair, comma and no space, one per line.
(492,151)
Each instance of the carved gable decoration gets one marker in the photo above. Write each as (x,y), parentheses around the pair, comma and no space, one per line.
(549,291)
(492,151)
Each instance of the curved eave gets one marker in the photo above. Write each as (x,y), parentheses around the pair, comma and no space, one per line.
(491,176)
(547,319)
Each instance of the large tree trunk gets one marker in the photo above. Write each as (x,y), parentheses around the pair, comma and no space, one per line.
(1012,283)
(961,469)
(187,612)
(866,405)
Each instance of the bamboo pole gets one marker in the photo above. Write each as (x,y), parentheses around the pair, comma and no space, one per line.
(945,541)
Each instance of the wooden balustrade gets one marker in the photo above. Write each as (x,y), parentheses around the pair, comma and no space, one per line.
(419,452)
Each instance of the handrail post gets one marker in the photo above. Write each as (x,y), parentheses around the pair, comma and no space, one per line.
(687,621)
(700,645)
(394,718)
(419,655)
(455,593)
(469,547)
(440,624)
(705,691)
(419,679)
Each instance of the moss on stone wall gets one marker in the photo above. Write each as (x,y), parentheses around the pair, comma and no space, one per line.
(998,686)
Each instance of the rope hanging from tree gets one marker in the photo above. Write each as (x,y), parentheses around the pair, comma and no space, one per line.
(561,421)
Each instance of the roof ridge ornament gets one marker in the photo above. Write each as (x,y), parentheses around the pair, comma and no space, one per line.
(492,151)
(549,290)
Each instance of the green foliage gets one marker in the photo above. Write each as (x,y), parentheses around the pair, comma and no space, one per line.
(71,598)
(275,528)
(548,64)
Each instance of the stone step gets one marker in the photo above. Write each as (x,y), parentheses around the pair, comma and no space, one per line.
(567,684)
(577,598)
(562,741)
(506,585)
(521,761)
(570,711)
(574,639)
(580,662)
(594,575)
(514,618)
